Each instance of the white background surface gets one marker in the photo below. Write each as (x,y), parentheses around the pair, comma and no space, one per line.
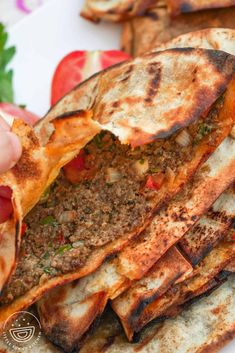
(42,39)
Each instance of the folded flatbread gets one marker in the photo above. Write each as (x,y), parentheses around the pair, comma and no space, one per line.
(73,308)
(146,33)
(63,305)
(117,10)
(205,327)
(208,117)
(211,318)
(180,6)
(121,10)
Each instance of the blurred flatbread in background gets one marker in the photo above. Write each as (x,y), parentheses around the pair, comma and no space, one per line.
(143,34)
(183,6)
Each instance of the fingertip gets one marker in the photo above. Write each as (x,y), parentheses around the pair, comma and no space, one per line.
(16,147)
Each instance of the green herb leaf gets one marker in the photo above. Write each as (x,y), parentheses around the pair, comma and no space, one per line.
(142,160)
(45,195)
(46,255)
(64,248)
(48,270)
(6,76)
(49,220)
(98,139)
(203,130)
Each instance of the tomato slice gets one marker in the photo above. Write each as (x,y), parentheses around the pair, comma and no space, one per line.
(112,57)
(154,182)
(6,208)
(17,112)
(80,65)
(75,167)
(23,229)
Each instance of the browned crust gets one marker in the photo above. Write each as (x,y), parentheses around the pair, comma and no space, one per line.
(117,12)
(209,320)
(219,343)
(183,6)
(149,32)
(191,288)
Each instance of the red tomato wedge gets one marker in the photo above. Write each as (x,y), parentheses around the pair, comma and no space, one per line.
(75,167)
(80,65)
(154,182)
(17,112)
(6,208)
(23,229)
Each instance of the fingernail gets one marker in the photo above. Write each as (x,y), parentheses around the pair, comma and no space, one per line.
(10,150)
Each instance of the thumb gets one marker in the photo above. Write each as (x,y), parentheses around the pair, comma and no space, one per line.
(10,150)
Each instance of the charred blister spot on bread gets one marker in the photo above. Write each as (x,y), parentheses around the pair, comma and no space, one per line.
(221,61)
(221,216)
(71,114)
(185,7)
(220,342)
(108,343)
(127,74)
(154,70)
(153,15)
(33,140)
(26,168)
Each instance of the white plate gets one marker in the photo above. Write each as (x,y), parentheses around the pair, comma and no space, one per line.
(42,39)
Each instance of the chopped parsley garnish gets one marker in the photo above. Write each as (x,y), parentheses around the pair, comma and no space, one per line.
(48,270)
(141,161)
(204,129)
(98,139)
(64,248)
(46,255)
(49,220)
(6,76)
(154,170)
(45,195)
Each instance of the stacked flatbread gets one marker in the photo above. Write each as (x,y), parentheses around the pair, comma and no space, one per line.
(146,228)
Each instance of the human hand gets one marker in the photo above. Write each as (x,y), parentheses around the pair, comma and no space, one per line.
(10,147)
(10,152)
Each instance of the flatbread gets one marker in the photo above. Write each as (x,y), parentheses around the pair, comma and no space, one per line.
(211,228)
(180,6)
(94,105)
(116,10)
(204,328)
(212,320)
(149,32)
(72,309)
(197,243)
(84,109)
(216,261)
(121,10)
(134,261)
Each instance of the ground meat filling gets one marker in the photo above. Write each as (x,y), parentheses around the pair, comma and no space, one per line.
(113,191)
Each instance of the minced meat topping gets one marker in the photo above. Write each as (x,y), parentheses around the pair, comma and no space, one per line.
(113,191)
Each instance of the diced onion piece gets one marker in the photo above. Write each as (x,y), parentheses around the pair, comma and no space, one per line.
(67,216)
(170,175)
(78,244)
(183,139)
(112,175)
(232,133)
(141,166)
